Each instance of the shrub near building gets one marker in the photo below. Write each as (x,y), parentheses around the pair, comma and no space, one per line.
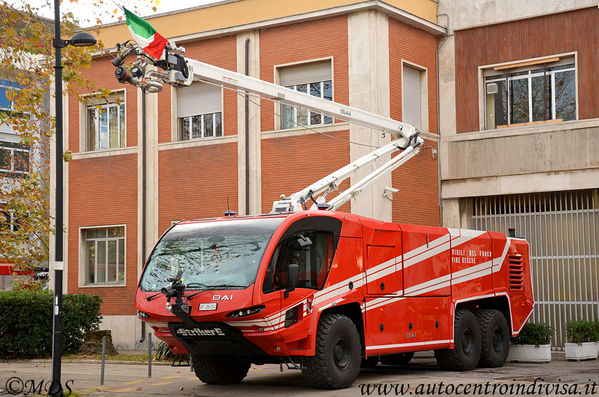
(534,334)
(26,322)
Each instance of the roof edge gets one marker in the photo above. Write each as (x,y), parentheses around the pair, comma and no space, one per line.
(382,6)
(388,9)
(484,25)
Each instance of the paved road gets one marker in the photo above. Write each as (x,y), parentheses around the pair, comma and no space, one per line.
(421,377)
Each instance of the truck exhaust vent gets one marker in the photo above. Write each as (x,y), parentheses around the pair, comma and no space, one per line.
(516,273)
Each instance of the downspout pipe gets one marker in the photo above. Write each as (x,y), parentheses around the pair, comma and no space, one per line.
(143,192)
(247,131)
(439,174)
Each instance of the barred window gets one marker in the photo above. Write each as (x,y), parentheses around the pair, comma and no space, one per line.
(525,95)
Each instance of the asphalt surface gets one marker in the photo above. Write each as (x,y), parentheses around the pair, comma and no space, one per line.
(421,377)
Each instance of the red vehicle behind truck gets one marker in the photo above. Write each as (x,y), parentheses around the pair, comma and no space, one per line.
(319,290)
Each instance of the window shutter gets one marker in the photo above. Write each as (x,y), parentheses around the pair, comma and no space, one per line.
(198,98)
(305,73)
(412,97)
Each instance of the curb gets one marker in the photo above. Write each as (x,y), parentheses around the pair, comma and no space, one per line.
(84,361)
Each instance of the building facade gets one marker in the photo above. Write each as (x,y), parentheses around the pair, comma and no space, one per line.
(520,139)
(19,158)
(14,165)
(144,161)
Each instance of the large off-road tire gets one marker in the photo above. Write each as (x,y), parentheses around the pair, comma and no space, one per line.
(397,359)
(338,354)
(467,344)
(495,338)
(219,370)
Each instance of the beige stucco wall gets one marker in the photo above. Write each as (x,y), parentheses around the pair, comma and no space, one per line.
(467,13)
(126,332)
(554,157)
(238,13)
(558,147)
(368,41)
(254,150)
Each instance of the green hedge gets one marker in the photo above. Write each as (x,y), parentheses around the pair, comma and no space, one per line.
(163,353)
(534,334)
(26,322)
(582,331)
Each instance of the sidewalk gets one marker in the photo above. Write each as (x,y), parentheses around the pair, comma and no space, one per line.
(83,376)
(128,378)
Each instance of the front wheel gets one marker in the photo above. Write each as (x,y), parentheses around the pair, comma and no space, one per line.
(467,344)
(219,370)
(338,354)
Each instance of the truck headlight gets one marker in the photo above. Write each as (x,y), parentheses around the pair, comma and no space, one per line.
(246,312)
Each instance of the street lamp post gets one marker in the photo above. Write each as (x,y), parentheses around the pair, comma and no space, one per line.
(82,39)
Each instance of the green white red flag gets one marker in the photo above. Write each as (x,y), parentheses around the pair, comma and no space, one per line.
(145,35)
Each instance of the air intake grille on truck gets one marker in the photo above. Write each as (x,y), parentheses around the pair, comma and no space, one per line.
(516,272)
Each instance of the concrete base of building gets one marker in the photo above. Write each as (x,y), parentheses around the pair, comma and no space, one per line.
(127,332)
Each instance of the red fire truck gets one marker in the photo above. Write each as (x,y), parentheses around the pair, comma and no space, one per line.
(320,290)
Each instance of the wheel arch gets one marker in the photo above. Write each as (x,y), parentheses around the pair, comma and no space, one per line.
(354,312)
(500,303)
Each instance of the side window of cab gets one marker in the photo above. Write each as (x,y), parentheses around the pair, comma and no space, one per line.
(311,250)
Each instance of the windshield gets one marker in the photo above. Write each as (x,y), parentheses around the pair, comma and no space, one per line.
(211,255)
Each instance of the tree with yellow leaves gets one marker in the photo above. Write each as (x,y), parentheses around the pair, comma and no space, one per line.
(27,124)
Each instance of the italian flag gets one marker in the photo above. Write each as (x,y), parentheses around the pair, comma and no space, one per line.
(149,40)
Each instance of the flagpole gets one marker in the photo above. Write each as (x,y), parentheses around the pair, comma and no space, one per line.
(118,5)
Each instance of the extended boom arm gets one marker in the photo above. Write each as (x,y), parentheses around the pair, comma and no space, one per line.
(180,72)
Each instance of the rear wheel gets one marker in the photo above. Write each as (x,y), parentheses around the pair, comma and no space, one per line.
(467,344)
(397,359)
(219,370)
(338,354)
(495,338)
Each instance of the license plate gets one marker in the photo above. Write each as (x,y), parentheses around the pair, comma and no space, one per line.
(207,306)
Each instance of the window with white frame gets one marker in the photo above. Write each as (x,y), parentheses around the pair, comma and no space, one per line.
(9,91)
(199,111)
(104,256)
(8,94)
(311,78)
(105,124)
(14,159)
(540,92)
